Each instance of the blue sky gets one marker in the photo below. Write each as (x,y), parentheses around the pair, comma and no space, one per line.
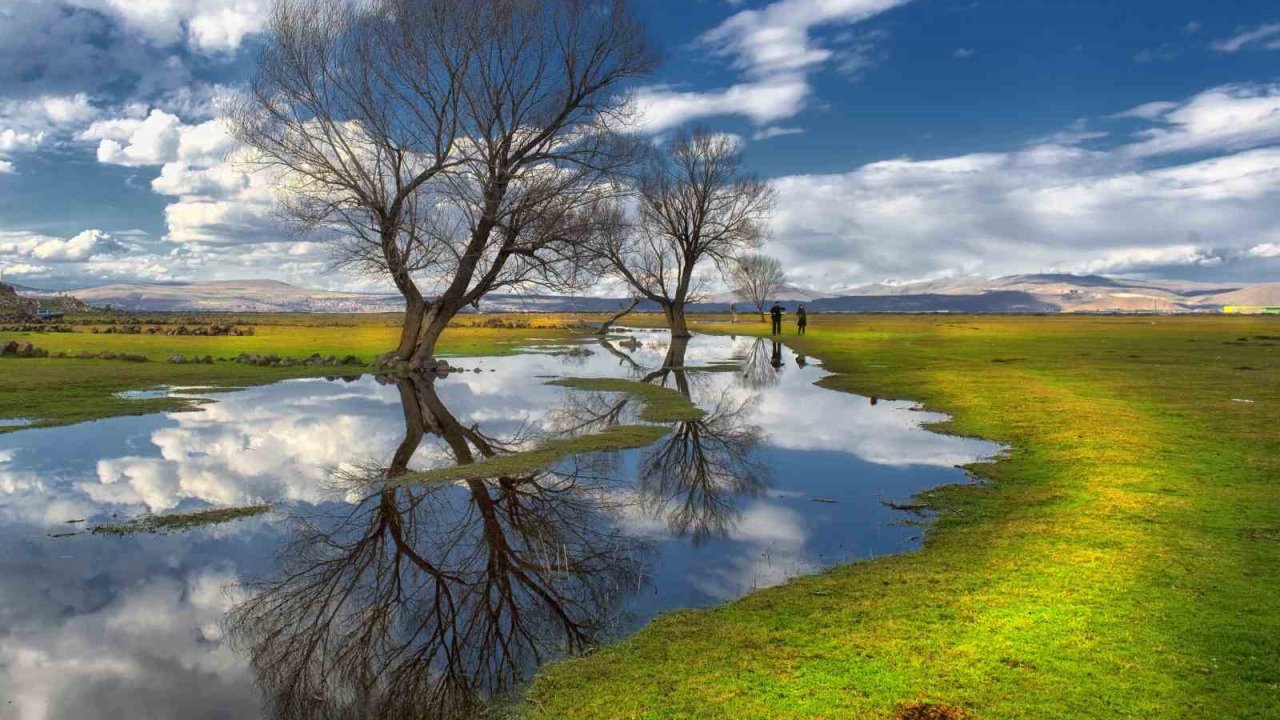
(907,139)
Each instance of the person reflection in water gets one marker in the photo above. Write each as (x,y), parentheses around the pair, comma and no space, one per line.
(424,600)
(776,313)
(801,361)
(802,320)
(776,361)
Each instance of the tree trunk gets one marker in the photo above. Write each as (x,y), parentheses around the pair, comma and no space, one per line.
(604,328)
(676,321)
(434,320)
(413,311)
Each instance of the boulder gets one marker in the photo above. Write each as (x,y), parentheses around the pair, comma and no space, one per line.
(177,358)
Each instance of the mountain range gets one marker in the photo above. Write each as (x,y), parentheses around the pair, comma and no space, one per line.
(1044,293)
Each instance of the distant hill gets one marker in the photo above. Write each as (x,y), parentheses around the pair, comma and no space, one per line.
(1043,293)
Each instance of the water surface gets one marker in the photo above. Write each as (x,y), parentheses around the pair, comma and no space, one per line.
(353,598)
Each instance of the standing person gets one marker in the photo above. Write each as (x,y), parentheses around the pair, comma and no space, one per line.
(776,312)
(802,320)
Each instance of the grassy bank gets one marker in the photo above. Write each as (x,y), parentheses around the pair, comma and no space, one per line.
(1123,561)
(55,391)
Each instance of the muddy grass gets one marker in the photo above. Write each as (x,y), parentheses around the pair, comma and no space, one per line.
(179,522)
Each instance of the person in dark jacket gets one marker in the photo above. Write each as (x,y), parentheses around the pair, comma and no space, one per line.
(776,312)
(802,320)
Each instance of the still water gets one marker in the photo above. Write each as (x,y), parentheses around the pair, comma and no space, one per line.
(351,598)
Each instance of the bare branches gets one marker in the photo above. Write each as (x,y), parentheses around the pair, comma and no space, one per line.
(452,147)
(693,204)
(757,278)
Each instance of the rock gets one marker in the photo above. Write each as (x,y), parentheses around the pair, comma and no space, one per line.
(208,360)
(10,348)
(351,360)
(178,358)
(24,350)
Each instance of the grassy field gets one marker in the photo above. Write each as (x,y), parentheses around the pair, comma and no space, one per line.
(54,391)
(1122,562)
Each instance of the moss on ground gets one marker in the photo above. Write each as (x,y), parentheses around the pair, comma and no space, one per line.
(178,522)
(1121,561)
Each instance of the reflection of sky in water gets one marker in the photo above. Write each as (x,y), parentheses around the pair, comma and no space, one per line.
(103,627)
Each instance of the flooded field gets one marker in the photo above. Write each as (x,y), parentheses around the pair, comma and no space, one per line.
(293,580)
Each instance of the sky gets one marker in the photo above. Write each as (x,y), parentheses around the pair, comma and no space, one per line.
(906,139)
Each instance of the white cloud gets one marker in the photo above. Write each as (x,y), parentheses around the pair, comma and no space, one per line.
(1044,207)
(963,53)
(159,138)
(44,248)
(1265,250)
(1264,36)
(6,167)
(26,125)
(209,26)
(1229,117)
(775,131)
(774,47)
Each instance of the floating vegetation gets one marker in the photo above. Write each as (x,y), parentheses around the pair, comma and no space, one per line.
(179,522)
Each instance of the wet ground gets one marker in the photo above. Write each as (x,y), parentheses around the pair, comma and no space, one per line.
(353,598)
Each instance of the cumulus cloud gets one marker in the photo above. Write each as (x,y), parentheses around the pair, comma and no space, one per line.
(204,25)
(774,47)
(775,131)
(26,125)
(44,248)
(1050,205)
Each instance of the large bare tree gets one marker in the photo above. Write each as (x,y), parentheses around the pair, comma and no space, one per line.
(451,146)
(756,278)
(693,203)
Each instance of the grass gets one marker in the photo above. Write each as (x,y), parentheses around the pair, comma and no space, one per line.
(1121,562)
(547,453)
(660,405)
(178,522)
(54,391)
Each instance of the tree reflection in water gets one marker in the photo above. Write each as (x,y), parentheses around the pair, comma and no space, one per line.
(696,476)
(425,601)
(422,601)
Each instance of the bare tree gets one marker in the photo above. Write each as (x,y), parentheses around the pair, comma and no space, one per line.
(756,278)
(694,204)
(452,147)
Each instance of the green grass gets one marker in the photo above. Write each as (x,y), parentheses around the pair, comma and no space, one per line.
(178,522)
(53,391)
(1121,562)
(660,405)
(547,453)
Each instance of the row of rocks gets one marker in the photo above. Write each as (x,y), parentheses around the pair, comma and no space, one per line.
(180,359)
(13,348)
(314,361)
(36,328)
(206,331)
(105,355)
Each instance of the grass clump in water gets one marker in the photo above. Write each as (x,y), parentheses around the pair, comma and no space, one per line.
(618,437)
(178,522)
(660,404)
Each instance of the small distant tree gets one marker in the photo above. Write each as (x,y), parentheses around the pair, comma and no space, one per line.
(694,203)
(757,278)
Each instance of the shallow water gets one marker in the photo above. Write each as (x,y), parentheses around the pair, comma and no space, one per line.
(390,602)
